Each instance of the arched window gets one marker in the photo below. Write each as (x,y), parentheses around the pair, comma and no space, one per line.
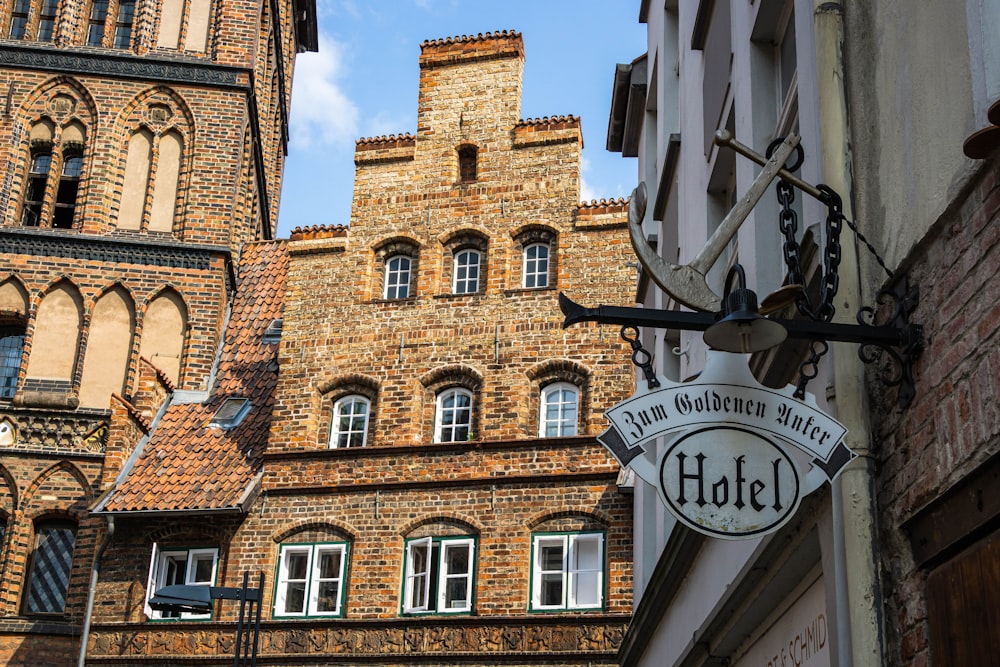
(69,187)
(453,415)
(559,410)
(48,573)
(465,276)
(397,277)
(54,151)
(349,427)
(536,266)
(38,179)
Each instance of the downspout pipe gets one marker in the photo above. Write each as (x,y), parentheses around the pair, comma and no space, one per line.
(94,573)
(855,527)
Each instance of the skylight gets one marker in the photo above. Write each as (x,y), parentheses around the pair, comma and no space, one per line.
(230,413)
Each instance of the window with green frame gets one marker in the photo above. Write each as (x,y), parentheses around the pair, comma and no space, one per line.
(439,575)
(567,571)
(310,580)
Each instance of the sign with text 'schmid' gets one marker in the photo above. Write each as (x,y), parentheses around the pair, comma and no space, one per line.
(725,468)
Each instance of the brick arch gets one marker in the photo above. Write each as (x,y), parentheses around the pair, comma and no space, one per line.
(442,517)
(469,236)
(458,375)
(353,383)
(289,531)
(194,531)
(30,111)
(38,484)
(534,232)
(8,482)
(566,512)
(558,370)
(125,121)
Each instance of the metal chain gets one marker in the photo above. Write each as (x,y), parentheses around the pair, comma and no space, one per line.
(640,356)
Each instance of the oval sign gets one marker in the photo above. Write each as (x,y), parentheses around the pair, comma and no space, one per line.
(729,482)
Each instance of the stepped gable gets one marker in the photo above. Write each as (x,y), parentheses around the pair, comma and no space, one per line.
(189,465)
(318,232)
(392,148)
(466,48)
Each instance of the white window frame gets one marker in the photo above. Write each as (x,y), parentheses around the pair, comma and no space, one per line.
(397,278)
(563,425)
(157,572)
(531,266)
(335,421)
(571,572)
(312,580)
(442,413)
(465,261)
(431,582)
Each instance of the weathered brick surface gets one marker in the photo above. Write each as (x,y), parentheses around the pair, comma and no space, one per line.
(504,483)
(61,459)
(953,425)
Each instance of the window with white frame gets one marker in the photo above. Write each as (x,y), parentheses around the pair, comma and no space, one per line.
(559,411)
(189,567)
(349,427)
(453,416)
(397,277)
(536,266)
(439,575)
(567,571)
(310,580)
(466,272)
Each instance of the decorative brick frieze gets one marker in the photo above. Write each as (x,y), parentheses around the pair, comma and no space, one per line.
(511,640)
(56,433)
(122,64)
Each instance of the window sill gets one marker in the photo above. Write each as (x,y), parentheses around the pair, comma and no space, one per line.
(522,291)
(408,301)
(458,296)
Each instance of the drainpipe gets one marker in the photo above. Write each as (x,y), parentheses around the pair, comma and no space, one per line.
(94,571)
(855,538)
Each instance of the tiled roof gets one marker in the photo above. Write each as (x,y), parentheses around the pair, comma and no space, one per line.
(189,465)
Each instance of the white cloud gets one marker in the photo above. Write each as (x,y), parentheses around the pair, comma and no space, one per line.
(322,115)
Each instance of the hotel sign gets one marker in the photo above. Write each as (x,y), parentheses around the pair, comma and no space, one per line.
(725,467)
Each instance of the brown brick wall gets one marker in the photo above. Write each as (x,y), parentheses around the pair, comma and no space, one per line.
(953,425)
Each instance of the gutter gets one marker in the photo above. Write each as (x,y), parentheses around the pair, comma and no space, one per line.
(95,570)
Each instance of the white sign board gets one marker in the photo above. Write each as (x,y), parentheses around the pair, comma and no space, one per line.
(725,436)
(799,638)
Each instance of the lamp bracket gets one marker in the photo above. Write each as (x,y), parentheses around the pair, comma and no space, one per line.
(886,329)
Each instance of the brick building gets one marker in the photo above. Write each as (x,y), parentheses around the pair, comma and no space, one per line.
(897,562)
(389,424)
(142,146)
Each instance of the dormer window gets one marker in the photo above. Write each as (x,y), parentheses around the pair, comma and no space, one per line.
(467,163)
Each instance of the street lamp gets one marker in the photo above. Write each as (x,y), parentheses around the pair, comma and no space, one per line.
(198,600)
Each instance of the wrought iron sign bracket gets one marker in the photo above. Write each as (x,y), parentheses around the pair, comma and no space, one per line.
(900,339)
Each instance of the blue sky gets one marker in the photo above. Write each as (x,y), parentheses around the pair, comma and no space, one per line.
(363,83)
